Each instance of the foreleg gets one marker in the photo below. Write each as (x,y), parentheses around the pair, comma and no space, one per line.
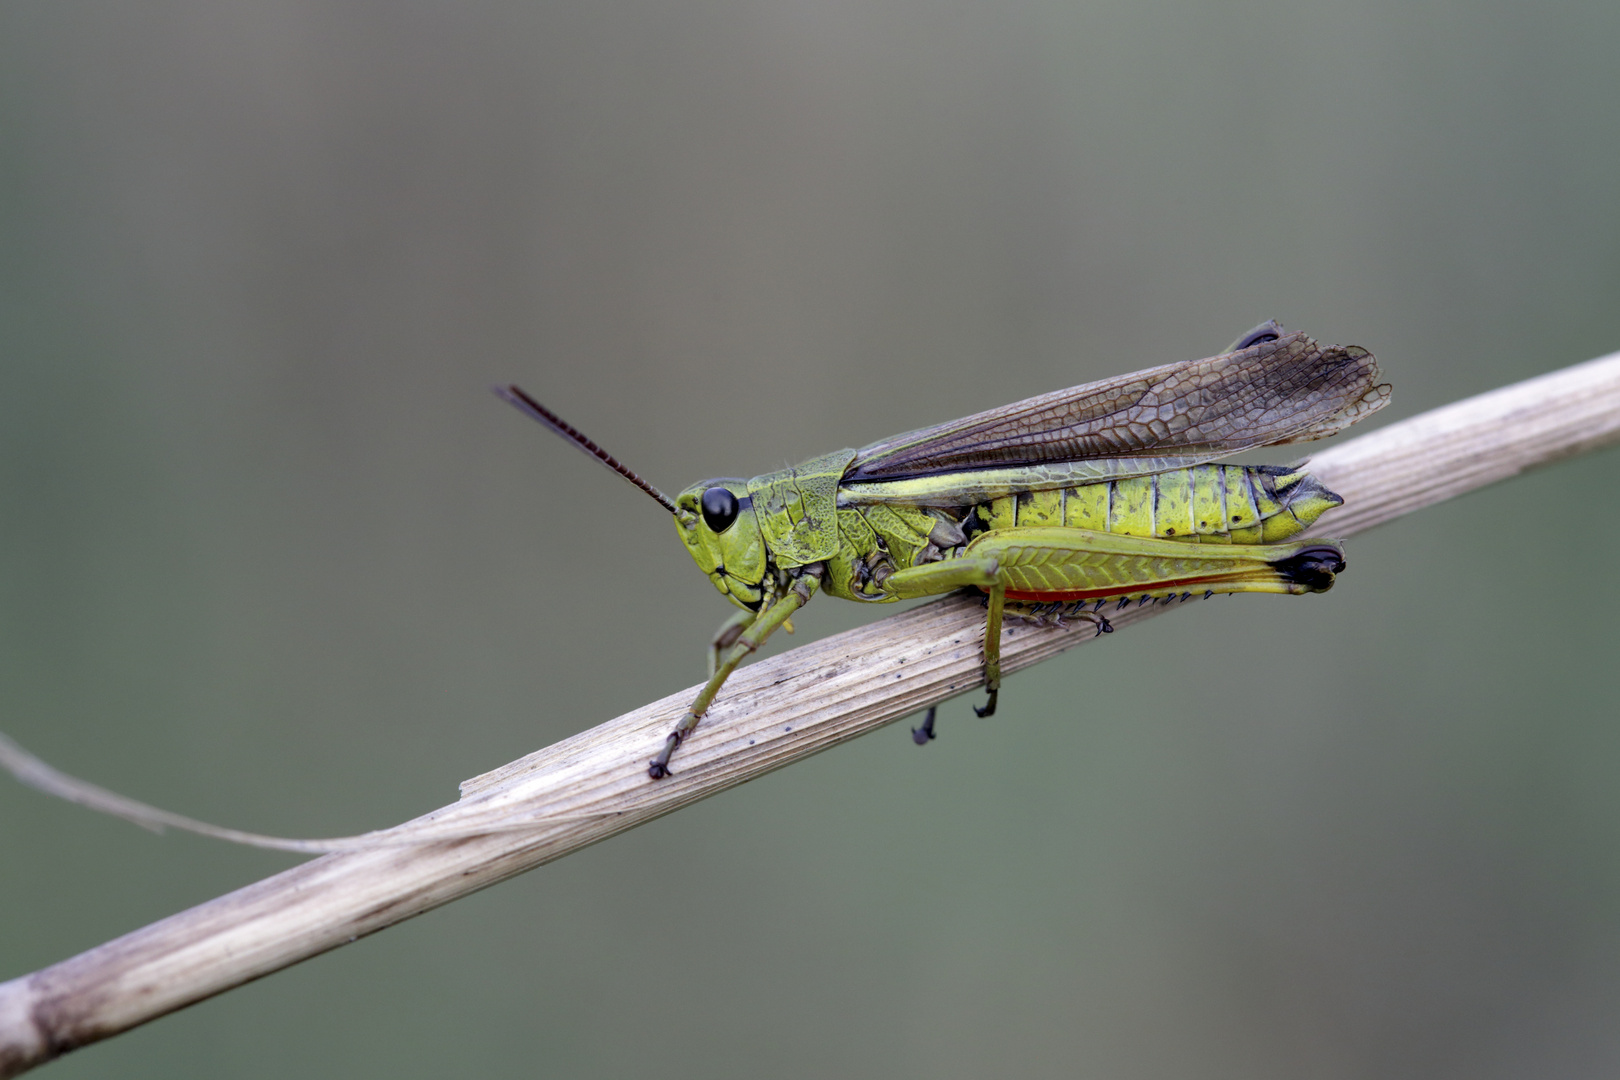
(748,641)
(727,635)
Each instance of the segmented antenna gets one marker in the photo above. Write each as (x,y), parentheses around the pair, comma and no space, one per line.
(533,408)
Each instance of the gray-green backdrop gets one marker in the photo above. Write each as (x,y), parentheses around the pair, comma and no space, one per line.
(271,555)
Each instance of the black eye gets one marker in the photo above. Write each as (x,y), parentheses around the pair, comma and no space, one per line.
(719,509)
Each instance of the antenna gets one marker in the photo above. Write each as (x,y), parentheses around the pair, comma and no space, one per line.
(539,412)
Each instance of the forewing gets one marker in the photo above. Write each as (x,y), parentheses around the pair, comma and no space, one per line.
(1285,390)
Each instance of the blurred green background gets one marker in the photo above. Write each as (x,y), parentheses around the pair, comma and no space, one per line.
(271,555)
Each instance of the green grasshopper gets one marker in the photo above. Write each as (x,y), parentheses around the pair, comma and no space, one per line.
(1053,507)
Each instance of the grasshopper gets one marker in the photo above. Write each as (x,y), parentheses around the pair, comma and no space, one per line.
(1053,507)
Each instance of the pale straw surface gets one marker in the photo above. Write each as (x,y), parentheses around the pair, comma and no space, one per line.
(590,786)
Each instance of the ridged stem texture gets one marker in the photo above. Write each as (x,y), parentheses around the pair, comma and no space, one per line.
(772,713)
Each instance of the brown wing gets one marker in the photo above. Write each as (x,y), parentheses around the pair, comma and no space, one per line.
(1285,390)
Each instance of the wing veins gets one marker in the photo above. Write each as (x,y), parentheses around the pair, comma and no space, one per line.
(1280,391)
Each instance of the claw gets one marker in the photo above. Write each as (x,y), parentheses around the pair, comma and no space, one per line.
(921,735)
(658,767)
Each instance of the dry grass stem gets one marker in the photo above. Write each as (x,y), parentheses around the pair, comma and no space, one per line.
(593,785)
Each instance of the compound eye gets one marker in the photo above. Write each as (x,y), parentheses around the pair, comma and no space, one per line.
(719,509)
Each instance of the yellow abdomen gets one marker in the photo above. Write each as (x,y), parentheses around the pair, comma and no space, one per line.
(1209,504)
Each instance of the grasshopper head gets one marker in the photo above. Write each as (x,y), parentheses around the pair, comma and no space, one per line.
(717,524)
